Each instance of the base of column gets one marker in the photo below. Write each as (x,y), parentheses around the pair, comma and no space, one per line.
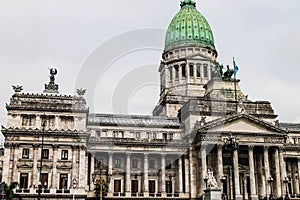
(239,197)
(146,194)
(163,194)
(128,194)
(254,197)
(109,194)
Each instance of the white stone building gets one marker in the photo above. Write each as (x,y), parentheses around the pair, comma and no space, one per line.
(166,155)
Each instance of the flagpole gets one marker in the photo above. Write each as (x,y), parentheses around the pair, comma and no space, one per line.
(235,92)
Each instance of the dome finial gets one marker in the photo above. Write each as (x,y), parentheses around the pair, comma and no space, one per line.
(187,2)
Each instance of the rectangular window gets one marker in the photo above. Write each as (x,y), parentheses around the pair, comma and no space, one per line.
(154,135)
(64,154)
(151,164)
(191,70)
(171,73)
(183,71)
(134,163)
(98,134)
(205,71)
(171,136)
(51,122)
(168,164)
(25,154)
(44,180)
(63,181)
(198,71)
(137,135)
(117,163)
(31,120)
(24,120)
(45,154)
(24,180)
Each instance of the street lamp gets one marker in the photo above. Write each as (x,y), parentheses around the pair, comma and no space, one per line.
(41,161)
(232,144)
(223,180)
(270,180)
(98,179)
(286,181)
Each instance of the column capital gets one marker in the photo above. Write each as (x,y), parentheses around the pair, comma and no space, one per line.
(8,145)
(281,149)
(55,147)
(74,147)
(251,147)
(163,155)
(110,153)
(146,155)
(16,145)
(220,146)
(266,147)
(128,154)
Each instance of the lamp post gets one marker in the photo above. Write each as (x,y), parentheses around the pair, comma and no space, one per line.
(41,161)
(232,144)
(270,180)
(223,180)
(98,179)
(286,181)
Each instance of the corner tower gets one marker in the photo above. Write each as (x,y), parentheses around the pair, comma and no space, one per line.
(187,60)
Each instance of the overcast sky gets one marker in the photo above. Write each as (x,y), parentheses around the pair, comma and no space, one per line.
(71,35)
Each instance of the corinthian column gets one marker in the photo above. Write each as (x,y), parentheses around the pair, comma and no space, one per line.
(203,168)
(180,174)
(282,169)
(163,175)
(146,184)
(252,175)
(54,170)
(220,164)
(277,188)
(267,169)
(16,156)
(236,174)
(128,180)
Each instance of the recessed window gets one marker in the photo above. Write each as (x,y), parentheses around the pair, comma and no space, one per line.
(137,135)
(25,154)
(45,154)
(64,154)
(23,180)
(168,164)
(151,164)
(198,71)
(134,163)
(28,120)
(171,73)
(205,71)
(191,70)
(183,71)
(117,163)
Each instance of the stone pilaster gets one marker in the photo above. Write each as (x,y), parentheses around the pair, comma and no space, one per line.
(203,169)
(81,174)
(127,178)
(282,170)
(54,170)
(146,182)
(92,187)
(187,174)
(277,184)
(74,162)
(252,175)
(16,156)
(180,175)
(236,174)
(220,164)
(267,170)
(193,188)
(110,164)
(163,175)
(6,175)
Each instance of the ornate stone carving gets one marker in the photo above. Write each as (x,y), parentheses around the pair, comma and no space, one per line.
(17,88)
(81,91)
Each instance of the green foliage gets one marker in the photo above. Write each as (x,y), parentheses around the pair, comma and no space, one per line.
(9,191)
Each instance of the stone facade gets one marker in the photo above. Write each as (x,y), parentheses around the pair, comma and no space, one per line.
(166,155)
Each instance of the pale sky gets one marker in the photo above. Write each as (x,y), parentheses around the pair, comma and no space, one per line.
(124,41)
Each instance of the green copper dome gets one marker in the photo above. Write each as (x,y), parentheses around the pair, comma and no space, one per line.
(189,27)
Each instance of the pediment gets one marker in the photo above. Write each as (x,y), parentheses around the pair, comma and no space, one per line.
(242,124)
(197,57)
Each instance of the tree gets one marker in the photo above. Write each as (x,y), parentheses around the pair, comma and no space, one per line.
(9,191)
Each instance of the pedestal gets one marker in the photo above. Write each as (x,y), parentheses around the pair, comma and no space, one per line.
(213,194)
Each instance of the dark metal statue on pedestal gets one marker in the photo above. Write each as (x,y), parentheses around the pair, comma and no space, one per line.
(51,87)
